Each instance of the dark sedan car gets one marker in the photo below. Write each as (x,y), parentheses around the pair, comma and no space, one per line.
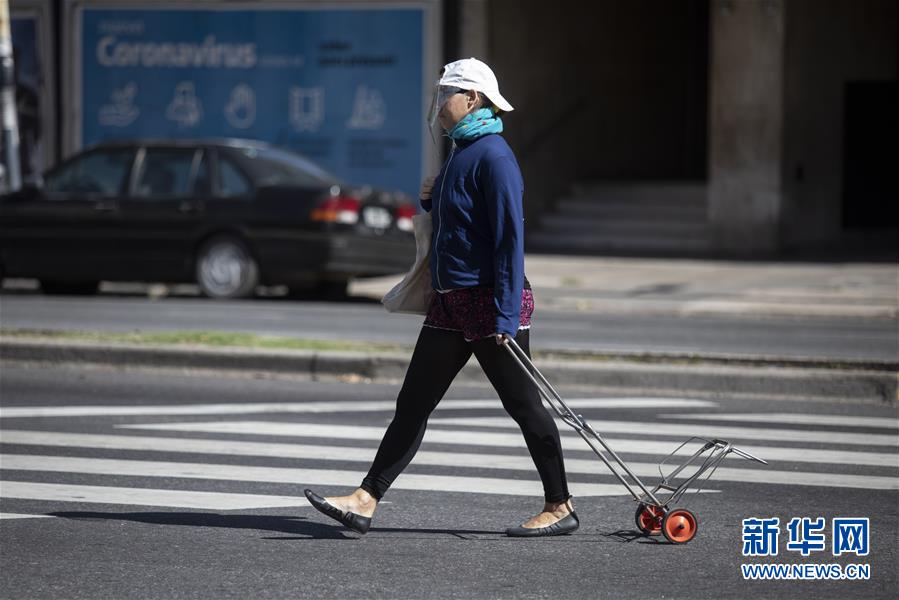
(228,215)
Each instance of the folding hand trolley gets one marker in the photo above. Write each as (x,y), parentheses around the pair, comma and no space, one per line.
(655,514)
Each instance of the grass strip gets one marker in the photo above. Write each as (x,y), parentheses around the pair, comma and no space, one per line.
(203,338)
(220,339)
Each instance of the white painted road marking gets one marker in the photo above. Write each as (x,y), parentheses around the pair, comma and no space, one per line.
(686,430)
(96,494)
(4,515)
(527,485)
(364,455)
(408,481)
(511,440)
(796,418)
(10,412)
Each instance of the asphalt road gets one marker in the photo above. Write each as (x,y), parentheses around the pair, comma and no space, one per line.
(365,320)
(135,484)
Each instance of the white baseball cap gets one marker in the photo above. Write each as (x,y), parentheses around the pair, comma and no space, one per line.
(472,74)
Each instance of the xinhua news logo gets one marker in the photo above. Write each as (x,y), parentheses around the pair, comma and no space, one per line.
(806,536)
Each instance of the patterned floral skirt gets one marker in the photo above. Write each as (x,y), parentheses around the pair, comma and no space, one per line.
(472,311)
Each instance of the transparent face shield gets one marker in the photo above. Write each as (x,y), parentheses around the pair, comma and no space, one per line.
(442,93)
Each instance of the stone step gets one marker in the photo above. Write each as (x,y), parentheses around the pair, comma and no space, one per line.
(654,200)
(667,217)
(545,242)
(636,191)
(634,211)
(565,224)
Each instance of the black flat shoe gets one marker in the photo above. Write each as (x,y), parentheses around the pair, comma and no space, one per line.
(357,523)
(567,524)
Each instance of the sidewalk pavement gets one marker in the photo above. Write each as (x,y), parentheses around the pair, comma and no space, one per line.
(601,285)
(674,287)
(680,287)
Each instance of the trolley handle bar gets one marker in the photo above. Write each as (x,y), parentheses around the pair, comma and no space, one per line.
(748,456)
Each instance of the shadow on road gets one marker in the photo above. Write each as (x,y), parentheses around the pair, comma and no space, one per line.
(301,529)
(297,526)
(281,524)
(627,536)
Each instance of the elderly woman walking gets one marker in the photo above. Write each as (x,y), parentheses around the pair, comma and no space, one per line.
(482,300)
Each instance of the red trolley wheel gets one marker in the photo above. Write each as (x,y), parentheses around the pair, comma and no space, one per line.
(649,519)
(679,526)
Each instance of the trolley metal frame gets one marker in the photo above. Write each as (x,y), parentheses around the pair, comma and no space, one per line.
(704,460)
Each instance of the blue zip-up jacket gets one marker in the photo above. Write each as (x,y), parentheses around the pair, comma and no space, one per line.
(478,219)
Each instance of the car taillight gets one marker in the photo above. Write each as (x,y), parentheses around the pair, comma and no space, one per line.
(404,214)
(337,209)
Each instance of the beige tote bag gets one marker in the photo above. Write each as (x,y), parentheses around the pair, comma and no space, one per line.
(414,293)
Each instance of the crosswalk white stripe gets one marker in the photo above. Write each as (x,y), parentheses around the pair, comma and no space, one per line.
(799,418)
(9,412)
(5,515)
(510,440)
(363,456)
(709,431)
(836,480)
(95,494)
(407,481)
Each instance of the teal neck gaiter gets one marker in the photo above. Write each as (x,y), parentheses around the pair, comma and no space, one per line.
(476,124)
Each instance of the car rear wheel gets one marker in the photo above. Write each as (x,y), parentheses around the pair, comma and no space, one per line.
(226,268)
(79,288)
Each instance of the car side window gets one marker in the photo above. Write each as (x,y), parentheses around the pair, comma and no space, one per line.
(203,179)
(98,173)
(232,182)
(165,173)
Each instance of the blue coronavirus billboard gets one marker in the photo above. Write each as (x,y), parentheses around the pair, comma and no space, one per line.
(342,86)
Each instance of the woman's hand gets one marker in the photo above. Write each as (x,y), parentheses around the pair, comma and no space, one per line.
(426,186)
(502,338)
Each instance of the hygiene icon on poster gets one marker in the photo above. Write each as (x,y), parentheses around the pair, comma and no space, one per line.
(240,112)
(185,108)
(369,111)
(121,111)
(306,108)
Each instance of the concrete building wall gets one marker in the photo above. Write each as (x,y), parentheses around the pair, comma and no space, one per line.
(778,86)
(473,28)
(745,194)
(602,90)
(749,94)
(829,43)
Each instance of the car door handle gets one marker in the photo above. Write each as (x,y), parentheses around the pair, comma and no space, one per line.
(189,207)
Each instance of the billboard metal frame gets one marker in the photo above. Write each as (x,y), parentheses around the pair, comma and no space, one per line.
(42,12)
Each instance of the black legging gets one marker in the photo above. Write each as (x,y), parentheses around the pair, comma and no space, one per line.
(439,355)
